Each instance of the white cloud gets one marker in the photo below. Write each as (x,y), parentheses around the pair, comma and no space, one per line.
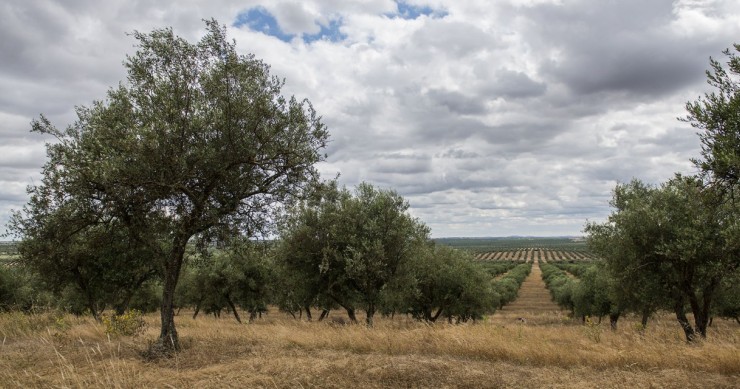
(499,118)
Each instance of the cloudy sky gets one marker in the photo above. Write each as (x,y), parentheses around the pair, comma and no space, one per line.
(493,118)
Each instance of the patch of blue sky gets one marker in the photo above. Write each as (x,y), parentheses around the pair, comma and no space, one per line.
(328,33)
(409,11)
(259,19)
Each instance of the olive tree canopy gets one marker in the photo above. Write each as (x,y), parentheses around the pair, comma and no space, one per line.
(349,246)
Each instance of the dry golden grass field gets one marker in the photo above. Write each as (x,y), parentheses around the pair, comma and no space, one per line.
(548,350)
(545,350)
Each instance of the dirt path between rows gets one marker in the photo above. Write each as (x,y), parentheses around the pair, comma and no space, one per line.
(533,301)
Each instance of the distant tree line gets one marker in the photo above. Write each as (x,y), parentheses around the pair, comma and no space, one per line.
(8,249)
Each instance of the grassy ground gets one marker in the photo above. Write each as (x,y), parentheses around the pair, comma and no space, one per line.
(548,350)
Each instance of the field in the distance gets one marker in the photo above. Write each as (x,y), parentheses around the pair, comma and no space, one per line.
(482,245)
(524,249)
(534,254)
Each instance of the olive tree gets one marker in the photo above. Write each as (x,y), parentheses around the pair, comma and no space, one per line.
(238,276)
(669,246)
(728,298)
(444,282)
(380,236)
(22,289)
(623,245)
(352,245)
(717,117)
(89,261)
(306,242)
(197,143)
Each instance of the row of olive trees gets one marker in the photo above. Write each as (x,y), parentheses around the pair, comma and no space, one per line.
(89,266)
(337,249)
(362,250)
(676,246)
(241,276)
(596,293)
(24,289)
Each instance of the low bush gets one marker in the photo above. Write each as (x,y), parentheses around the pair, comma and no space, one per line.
(131,323)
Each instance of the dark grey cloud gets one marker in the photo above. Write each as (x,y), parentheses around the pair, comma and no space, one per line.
(642,69)
(509,84)
(433,126)
(456,102)
(399,164)
(612,47)
(524,135)
(458,154)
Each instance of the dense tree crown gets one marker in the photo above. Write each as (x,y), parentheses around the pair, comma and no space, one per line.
(198,142)
(350,246)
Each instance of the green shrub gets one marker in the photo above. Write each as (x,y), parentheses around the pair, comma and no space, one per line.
(130,323)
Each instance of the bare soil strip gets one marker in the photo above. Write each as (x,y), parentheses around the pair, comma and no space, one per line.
(533,297)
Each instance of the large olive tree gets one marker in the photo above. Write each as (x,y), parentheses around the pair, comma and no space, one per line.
(443,282)
(197,143)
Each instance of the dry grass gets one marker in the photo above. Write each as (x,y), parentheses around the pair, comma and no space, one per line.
(547,351)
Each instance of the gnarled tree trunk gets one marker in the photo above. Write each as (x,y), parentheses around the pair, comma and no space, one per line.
(168,341)
(233,308)
(684,321)
(613,318)
(370,314)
